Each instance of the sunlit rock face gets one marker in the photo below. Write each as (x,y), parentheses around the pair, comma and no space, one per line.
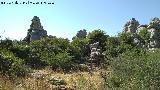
(154,29)
(36,31)
(154,23)
(96,53)
(131,26)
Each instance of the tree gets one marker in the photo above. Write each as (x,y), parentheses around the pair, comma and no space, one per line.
(145,35)
(112,47)
(80,49)
(98,36)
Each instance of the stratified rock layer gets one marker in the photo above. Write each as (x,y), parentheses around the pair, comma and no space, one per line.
(96,54)
(36,31)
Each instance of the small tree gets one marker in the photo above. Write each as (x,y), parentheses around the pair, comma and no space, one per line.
(145,35)
(98,36)
(80,49)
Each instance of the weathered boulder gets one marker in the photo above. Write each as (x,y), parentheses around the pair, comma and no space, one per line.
(36,31)
(154,38)
(96,53)
(131,26)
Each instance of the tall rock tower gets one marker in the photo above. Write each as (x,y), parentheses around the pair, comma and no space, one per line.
(154,29)
(36,31)
(131,26)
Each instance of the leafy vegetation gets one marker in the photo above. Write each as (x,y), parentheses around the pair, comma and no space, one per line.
(130,67)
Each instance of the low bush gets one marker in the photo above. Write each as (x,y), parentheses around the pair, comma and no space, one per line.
(11,65)
(136,69)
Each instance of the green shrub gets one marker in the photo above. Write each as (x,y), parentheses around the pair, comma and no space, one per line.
(6,43)
(49,52)
(145,35)
(62,60)
(79,49)
(98,36)
(11,65)
(137,70)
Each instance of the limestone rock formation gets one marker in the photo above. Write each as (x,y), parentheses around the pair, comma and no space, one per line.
(131,26)
(154,29)
(96,54)
(36,31)
(154,23)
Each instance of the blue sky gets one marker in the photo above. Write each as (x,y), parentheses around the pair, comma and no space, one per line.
(66,17)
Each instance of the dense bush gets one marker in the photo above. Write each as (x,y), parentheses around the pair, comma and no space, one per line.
(53,52)
(11,65)
(62,60)
(20,49)
(98,36)
(136,69)
(111,47)
(145,35)
(79,49)
(50,52)
(117,45)
(131,67)
(6,43)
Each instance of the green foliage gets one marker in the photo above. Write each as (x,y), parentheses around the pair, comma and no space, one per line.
(125,37)
(145,35)
(115,46)
(136,69)
(79,49)
(58,82)
(7,43)
(11,65)
(111,47)
(98,36)
(20,49)
(50,52)
(62,60)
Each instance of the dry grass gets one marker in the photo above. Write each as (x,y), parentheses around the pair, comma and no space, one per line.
(40,80)
(5,83)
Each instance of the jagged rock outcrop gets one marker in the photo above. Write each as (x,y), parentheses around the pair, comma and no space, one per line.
(36,31)
(154,23)
(96,54)
(131,26)
(80,34)
(153,28)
